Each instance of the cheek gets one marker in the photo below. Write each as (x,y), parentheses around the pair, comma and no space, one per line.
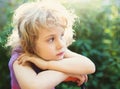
(46,53)
(44,50)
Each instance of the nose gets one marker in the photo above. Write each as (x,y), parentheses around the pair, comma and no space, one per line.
(60,44)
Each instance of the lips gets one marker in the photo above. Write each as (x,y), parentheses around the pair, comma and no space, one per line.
(60,54)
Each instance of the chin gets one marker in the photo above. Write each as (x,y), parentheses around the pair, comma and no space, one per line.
(60,58)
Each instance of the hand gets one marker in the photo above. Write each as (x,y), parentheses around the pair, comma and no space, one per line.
(79,79)
(25,58)
(82,79)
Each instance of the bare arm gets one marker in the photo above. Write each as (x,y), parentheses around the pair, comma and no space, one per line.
(73,63)
(28,79)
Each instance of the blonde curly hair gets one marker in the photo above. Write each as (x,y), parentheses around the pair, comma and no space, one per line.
(31,17)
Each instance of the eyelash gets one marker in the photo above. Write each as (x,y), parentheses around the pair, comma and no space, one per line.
(50,40)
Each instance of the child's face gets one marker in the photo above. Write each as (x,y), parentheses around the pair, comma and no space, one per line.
(51,44)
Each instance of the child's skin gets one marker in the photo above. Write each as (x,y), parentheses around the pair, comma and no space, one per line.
(42,38)
(52,48)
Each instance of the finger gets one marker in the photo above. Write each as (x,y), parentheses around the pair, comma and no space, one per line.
(79,83)
(23,62)
(83,78)
(86,78)
(19,58)
(19,62)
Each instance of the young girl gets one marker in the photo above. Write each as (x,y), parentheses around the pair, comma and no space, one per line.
(42,31)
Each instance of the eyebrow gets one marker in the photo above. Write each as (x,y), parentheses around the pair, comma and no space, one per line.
(50,35)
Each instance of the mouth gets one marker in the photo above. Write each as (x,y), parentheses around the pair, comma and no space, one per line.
(61,54)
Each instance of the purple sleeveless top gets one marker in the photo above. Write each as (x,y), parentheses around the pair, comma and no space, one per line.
(15,55)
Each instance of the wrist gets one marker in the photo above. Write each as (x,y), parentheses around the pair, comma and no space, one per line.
(46,63)
(43,64)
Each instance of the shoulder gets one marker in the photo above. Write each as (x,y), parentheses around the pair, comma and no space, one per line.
(27,67)
(19,67)
(15,54)
(16,63)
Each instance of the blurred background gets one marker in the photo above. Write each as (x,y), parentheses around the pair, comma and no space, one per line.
(97,36)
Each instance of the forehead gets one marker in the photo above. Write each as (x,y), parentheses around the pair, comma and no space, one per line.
(51,31)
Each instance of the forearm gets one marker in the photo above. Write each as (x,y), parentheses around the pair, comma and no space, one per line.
(28,79)
(51,78)
(74,65)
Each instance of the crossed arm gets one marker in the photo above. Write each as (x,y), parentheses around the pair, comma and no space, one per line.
(58,71)
(28,79)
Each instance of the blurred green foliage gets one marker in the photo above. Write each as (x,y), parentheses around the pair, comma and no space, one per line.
(97,36)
